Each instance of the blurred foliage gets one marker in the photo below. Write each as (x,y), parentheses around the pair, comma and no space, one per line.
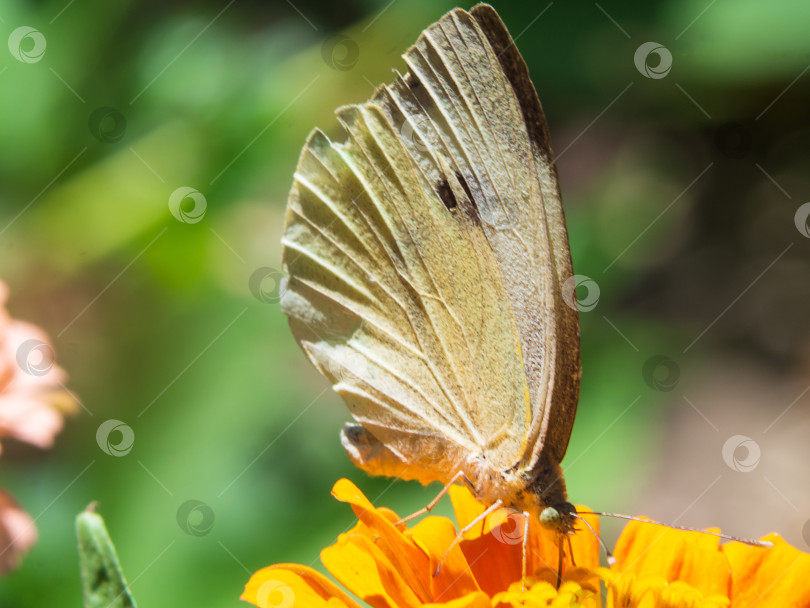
(154,320)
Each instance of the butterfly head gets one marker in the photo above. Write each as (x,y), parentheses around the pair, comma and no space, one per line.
(546,487)
(560,517)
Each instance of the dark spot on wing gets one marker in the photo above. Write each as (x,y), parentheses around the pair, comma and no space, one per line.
(445,193)
(467,191)
(422,95)
(413,82)
(466,204)
(470,206)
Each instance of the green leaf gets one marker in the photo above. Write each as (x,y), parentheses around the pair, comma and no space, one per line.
(103,583)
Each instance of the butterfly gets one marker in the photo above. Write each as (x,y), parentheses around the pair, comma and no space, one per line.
(426,258)
(429,278)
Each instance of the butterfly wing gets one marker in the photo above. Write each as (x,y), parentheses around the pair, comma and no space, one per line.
(396,298)
(423,278)
(561,386)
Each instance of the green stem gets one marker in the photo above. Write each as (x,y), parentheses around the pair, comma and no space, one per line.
(103,583)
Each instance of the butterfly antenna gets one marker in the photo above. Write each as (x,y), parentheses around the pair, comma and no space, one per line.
(608,554)
(747,541)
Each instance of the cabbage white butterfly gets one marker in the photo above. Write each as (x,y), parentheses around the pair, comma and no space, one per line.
(427,256)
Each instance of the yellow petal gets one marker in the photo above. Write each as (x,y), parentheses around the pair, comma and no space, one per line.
(465,505)
(675,555)
(573,595)
(538,595)
(288,585)
(476,599)
(779,576)
(359,565)
(400,551)
(455,580)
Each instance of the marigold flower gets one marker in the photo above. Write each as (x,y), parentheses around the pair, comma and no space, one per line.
(389,566)
(33,401)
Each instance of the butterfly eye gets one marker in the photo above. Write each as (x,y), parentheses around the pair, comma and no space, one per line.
(550,518)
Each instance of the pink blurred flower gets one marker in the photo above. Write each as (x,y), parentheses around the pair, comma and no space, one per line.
(33,401)
(17,532)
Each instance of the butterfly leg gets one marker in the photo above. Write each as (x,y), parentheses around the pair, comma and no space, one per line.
(559,562)
(570,550)
(460,536)
(525,548)
(435,501)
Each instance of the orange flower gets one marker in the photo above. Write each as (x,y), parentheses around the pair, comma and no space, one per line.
(390,566)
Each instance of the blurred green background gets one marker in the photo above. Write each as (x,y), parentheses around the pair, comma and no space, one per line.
(681,195)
